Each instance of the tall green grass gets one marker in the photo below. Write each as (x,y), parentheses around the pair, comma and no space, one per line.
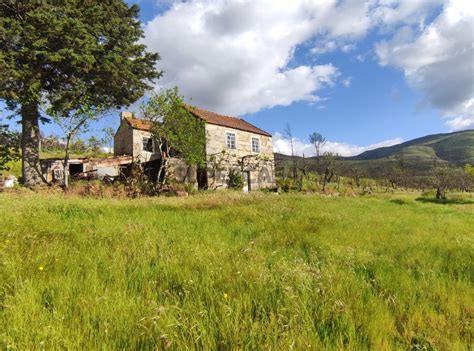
(233,271)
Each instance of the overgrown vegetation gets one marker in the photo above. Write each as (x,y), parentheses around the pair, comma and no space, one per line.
(287,272)
(9,147)
(415,164)
(236,180)
(336,173)
(175,130)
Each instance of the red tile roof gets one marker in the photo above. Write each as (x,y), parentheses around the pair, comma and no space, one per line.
(225,121)
(136,123)
(207,116)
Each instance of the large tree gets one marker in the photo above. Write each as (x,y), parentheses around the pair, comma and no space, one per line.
(58,56)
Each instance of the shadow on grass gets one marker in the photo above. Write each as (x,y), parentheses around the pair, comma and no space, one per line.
(455,201)
(401,201)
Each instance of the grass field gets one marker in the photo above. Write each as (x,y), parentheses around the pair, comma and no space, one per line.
(235,271)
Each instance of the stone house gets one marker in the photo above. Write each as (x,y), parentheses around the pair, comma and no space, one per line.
(231,144)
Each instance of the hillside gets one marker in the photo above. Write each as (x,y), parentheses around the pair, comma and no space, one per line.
(456,148)
(418,156)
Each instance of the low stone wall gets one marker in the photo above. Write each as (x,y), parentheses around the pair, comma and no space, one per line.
(179,171)
(260,171)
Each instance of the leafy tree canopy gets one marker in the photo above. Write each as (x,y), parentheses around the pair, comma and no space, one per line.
(63,56)
(69,53)
(175,128)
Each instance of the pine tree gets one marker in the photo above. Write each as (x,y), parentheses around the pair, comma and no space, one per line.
(57,57)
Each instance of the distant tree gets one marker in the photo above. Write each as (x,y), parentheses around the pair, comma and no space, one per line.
(77,146)
(401,170)
(460,179)
(445,178)
(329,162)
(318,142)
(51,143)
(75,124)
(94,144)
(469,169)
(175,130)
(9,146)
(59,56)
(356,174)
(108,139)
(294,162)
(304,166)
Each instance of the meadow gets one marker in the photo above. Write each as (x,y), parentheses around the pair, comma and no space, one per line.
(235,271)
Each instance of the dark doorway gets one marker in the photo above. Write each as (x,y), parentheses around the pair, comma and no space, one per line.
(247,185)
(201,174)
(151,169)
(75,168)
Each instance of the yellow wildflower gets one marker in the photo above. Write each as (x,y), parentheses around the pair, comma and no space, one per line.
(226,296)
(41,268)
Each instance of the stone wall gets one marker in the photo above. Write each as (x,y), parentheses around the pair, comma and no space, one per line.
(138,152)
(128,141)
(179,171)
(220,159)
(123,140)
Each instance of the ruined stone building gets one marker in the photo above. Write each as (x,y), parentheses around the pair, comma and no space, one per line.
(231,144)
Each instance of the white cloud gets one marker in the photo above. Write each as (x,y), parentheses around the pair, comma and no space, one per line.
(347,82)
(301,147)
(439,61)
(323,48)
(360,58)
(392,12)
(348,48)
(234,56)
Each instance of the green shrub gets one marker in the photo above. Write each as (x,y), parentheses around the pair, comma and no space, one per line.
(236,180)
(284,184)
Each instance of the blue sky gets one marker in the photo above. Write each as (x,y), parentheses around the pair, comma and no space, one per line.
(363,73)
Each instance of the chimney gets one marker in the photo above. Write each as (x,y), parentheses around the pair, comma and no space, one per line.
(125,114)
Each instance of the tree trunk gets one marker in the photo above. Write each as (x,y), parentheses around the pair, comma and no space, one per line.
(325,179)
(66,163)
(30,144)
(440,194)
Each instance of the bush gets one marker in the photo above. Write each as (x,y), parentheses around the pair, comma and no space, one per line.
(284,185)
(309,184)
(236,180)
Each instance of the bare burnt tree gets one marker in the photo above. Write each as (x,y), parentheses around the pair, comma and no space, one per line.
(329,162)
(318,141)
(289,136)
(356,174)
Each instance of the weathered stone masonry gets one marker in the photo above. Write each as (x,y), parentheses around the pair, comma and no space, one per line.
(249,152)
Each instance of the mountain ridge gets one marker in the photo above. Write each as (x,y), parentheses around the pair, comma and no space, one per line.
(455,147)
(419,156)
